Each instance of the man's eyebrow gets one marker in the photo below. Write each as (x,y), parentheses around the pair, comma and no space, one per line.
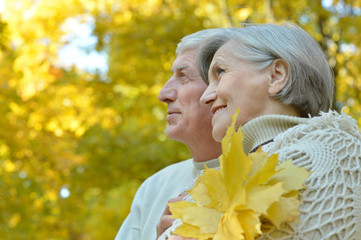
(179,68)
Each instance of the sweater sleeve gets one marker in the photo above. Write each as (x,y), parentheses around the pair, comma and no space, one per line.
(128,231)
(151,199)
(130,228)
(331,202)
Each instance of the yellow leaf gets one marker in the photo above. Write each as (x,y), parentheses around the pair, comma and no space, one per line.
(260,198)
(237,167)
(187,212)
(284,210)
(263,167)
(177,207)
(201,193)
(228,138)
(251,224)
(229,227)
(209,190)
(205,218)
(229,202)
(234,162)
(192,232)
(293,178)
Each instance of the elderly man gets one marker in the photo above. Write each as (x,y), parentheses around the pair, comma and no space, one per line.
(189,123)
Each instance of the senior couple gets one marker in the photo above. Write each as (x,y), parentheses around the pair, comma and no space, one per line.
(278,77)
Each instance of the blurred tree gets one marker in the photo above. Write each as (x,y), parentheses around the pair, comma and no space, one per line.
(75,144)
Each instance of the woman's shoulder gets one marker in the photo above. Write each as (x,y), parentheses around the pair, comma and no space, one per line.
(330,147)
(327,128)
(321,143)
(332,121)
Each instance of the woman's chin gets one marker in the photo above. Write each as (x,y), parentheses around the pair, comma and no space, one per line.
(218,135)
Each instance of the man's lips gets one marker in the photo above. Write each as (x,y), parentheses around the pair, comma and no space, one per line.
(172,115)
(172,112)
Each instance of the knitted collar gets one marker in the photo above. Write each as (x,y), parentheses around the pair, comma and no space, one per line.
(199,166)
(257,132)
(265,128)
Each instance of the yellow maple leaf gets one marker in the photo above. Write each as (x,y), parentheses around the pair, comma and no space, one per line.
(229,203)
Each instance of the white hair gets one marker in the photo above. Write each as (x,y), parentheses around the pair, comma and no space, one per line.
(310,84)
(195,40)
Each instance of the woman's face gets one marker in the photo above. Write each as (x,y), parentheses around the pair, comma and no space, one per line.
(235,84)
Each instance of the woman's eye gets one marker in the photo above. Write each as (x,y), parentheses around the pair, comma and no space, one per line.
(220,71)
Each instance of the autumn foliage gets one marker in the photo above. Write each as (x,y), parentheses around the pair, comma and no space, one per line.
(231,202)
(76,143)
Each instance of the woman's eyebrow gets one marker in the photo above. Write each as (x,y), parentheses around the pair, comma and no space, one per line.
(214,67)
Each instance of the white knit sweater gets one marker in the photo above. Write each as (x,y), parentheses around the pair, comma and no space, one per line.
(330,147)
(152,196)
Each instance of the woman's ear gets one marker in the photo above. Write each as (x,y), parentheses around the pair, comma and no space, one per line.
(279,76)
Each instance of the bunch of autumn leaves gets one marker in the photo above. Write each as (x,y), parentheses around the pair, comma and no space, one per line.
(243,197)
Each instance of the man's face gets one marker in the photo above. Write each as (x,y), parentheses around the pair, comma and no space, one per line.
(188,121)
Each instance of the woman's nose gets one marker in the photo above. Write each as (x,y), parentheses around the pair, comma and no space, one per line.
(208,97)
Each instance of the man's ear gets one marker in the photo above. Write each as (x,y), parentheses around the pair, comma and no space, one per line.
(278,76)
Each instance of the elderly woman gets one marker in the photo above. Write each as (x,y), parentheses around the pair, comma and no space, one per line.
(280,80)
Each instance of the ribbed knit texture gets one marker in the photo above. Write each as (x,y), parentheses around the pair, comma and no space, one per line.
(265,128)
(199,166)
(330,147)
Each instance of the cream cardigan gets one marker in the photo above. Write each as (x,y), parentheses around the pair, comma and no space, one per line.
(330,147)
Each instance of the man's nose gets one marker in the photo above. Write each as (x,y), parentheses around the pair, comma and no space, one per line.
(168,93)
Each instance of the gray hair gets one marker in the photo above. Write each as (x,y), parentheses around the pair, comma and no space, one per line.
(310,84)
(195,40)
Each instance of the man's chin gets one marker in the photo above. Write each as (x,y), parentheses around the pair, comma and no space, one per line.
(173,132)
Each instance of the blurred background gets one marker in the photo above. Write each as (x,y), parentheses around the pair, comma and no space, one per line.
(80,123)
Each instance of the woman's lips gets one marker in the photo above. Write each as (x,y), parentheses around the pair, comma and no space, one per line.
(219,109)
(214,110)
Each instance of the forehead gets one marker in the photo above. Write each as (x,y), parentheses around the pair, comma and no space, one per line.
(225,52)
(186,60)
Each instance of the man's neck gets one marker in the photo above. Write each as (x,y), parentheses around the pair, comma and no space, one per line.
(205,152)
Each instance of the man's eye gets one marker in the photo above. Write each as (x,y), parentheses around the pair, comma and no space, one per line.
(182,75)
(184,78)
